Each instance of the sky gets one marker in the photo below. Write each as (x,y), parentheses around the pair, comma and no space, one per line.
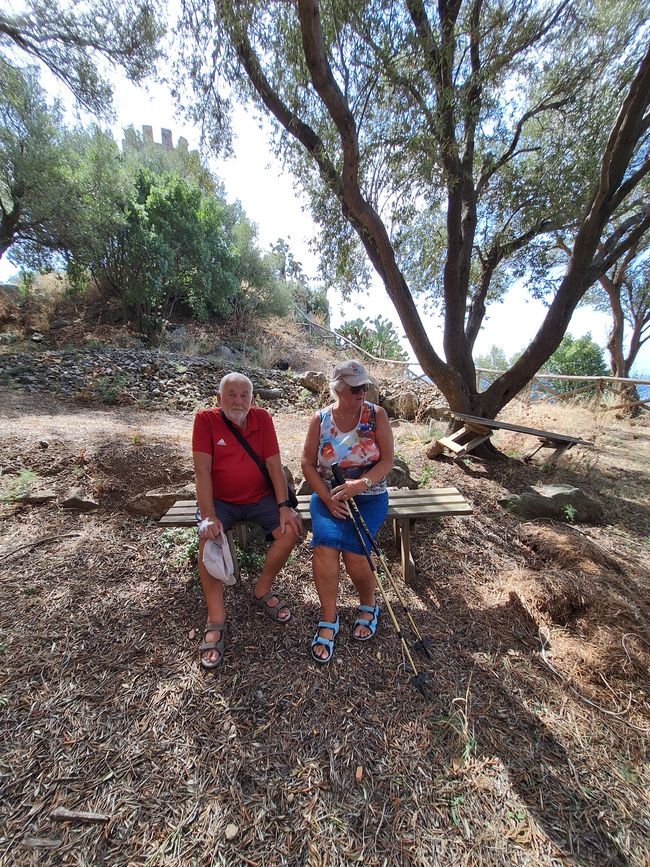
(271,199)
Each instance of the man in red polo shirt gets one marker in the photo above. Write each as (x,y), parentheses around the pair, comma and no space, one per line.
(231,487)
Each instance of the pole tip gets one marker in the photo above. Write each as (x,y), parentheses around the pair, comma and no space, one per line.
(425,647)
(420,682)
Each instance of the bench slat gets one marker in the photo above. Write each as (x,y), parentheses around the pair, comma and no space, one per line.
(400,494)
(503,425)
(413,504)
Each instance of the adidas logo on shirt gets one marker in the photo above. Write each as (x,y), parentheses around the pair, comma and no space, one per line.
(221,442)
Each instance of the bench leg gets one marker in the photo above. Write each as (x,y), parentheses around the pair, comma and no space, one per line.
(559,447)
(233,553)
(557,454)
(408,564)
(242,535)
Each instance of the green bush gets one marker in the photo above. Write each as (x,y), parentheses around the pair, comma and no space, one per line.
(576,357)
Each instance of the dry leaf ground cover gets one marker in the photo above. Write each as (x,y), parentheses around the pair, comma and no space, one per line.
(532,749)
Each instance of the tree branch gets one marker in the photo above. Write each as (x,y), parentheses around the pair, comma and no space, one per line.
(618,243)
(488,172)
(630,184)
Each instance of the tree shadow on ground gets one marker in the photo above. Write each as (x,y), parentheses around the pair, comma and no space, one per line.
(557,787)
(109,712)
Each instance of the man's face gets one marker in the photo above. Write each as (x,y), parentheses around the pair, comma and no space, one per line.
(235,400)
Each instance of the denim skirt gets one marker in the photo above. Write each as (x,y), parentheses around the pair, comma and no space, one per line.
(330,532)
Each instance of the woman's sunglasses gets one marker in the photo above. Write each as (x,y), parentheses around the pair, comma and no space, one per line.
(355,389)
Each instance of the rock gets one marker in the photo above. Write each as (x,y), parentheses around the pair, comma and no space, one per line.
(36,497)
(314,381)
(437,413)
(373,393)
(390,406)
(231,831)
(434,450)
(78,500)
(154,503)
(400,476)
(37,337)
(268,393)
(223,352)
(557,502)
(402,405)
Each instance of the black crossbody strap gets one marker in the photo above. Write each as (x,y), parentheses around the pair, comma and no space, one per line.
(260,463)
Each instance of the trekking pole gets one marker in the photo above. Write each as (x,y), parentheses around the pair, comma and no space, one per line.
(422,644)
(419,679)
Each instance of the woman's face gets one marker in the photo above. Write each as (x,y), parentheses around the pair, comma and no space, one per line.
(352,397)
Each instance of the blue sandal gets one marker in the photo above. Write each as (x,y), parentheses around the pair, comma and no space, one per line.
(326,642)
(369,624)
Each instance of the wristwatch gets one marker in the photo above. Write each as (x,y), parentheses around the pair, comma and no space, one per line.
(365,479)
(283,504)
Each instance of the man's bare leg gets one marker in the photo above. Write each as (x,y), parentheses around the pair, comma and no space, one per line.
(276,557)
(213,595)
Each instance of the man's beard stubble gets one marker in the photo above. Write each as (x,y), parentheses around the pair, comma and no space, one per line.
(237,416)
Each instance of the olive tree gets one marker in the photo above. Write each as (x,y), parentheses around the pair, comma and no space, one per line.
(71,38)
(439,143)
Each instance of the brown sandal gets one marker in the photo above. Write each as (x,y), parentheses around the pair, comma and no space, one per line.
(272,611)
(212,645)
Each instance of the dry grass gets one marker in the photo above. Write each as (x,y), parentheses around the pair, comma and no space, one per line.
(518,758)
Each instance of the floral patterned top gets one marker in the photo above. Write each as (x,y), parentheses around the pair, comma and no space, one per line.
(356,451)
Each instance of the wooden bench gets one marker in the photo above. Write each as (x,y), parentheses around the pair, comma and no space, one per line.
(481,429)
(404,506)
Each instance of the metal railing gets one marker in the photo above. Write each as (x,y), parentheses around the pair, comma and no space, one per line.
(599,384)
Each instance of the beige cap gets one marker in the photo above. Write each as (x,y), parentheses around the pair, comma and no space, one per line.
(351,372)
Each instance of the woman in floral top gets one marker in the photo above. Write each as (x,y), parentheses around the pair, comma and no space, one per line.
(355,434)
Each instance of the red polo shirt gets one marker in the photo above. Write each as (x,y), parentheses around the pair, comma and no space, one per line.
(236,478)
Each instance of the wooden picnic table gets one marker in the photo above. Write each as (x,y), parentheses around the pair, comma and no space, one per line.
(483,428)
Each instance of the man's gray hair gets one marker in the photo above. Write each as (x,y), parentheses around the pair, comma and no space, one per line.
(229,377)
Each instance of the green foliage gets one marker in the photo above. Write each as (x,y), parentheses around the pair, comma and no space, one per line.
(170,247)
(312,301)
(576,357)
(251,558)
(376,336)
(67,42)
(494,359)
(15,487)
(624,293)
(570,512)
(262,290)
(142,153)
(109,388)
(32,177)
(447,146)
(62,190)
(425,478)
(149,226)
(181,544)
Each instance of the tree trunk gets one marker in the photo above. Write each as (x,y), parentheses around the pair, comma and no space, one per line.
(8,227)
